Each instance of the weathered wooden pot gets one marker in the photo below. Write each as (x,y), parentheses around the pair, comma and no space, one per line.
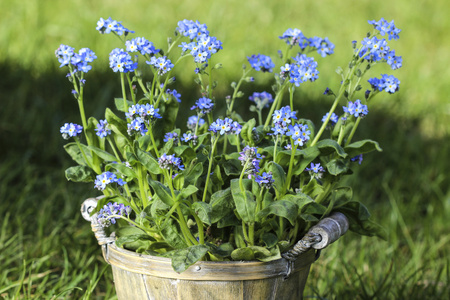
(138,276)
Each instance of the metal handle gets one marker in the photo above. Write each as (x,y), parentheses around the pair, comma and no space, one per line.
(327,231)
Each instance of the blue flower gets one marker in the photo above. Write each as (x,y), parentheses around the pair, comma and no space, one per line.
(262,99)
(109,25)
(141,45)
(170,162)
(315,170)
(102,129)
(149,112)
(387,83)
(192,29)
(303,68)
(174,94)
(299,134)
(386,28)
(71,130)
(356,109)
(192,122)
(203,105)
(137,125)
(323,45)
(334,118)
(295,37)
(64,54)
(265,180)
(358,158)
(121,61)
(67,56)
(261,62)
(226,126)
(187,137)
(171,136)
(102,180)
(105,215)
(162,64)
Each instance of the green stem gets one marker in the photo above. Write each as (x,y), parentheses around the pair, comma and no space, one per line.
(146,230)
(201,234)
(353,131)
(124,93)
(291,167)
(277,99)
(130,85)
(141,178)
(291,96)
(213,148)
(114,149)
(150,132)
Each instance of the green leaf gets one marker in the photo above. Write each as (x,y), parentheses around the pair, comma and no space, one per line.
(281,208)
(224,250)
(187,191)
(312,189)
(148,161)
(145,143)
(232,167)
(117,125)
(192,173)
(362,147)
(123,169)
(75,153)
(308,155)
(359,220)
(337,166)
(172,235)
(203,211)
(244,200)
(136,242)
(106,156)
(162,191)
(119,104)
(269,239)
(184,258)
(243,254)
(80,174)
(128,230)
(329,146)
(299,199)
(221,204)
(184,151)
(246,132)
(278,175)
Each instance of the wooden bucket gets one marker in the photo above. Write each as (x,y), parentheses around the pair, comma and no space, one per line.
(138,276)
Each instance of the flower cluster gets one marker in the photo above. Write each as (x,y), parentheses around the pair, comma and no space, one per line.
(67,56)
(202,46)
(171,136)
(299,133)
(140,116)
(265,180)
(203,105)
(226,126)
(69,130)
(111,212)
(250,159)
(356,109)
(192,122)
(170,162)
(161,64)
(121,61)
(102,180)
(141,45)
(103,129)
(281,119)
(375,49)
(333,119)
(315,170)
(303,68)
(387,83)
(261,62)
(295,36)
(261,100)
(109,25)
(173,93)
(386,28)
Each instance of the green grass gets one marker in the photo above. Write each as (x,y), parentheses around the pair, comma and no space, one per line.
(47,250)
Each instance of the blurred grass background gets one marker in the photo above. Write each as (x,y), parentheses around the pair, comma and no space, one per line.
(48,251)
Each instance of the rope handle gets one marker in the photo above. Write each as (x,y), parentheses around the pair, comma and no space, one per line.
(327,231)
(86,209)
